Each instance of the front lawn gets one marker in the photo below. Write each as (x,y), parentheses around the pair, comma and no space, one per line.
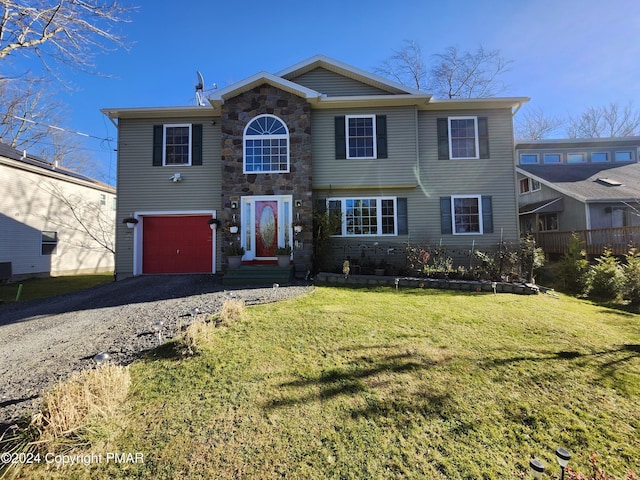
(47,287)
(357,383)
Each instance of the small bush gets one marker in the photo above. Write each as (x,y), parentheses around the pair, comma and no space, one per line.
(232,310)
(72,405)
(573,267)
(605,278)
(197,334)
(631,286)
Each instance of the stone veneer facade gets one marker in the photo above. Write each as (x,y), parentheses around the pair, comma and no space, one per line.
(295,112)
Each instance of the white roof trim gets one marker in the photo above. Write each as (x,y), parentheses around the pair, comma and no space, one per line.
(347,70)
(259,79)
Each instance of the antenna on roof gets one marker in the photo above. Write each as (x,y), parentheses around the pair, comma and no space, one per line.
(200,90)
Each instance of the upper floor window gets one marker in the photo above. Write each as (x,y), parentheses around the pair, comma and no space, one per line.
(552,158)
(529,185)
(463,138)
(266,145)
(177,144)
(361,136)
(527,158)
(599,157)
(575,157)
(623,156)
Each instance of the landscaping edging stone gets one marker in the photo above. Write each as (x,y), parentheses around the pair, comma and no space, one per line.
(324,278)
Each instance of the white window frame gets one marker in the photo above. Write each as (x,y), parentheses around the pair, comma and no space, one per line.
(476,142)
(615,156)
(54,243)
(453,214)
(164,144)
(606,157)
(379,200)
(246,137)
(374,139)
(582,156)
(532,185)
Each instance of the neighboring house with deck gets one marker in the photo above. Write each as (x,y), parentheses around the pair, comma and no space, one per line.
(53,221)
(270,151)
(590,187)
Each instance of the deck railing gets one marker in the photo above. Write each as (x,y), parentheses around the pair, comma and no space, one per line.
(619,240)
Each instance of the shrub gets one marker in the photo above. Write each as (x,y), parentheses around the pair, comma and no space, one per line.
(197,334)
(574,266)
(605,278)
(231,311)
(631,285)
(531,257)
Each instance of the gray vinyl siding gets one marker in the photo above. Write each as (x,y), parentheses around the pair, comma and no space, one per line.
(493,177)
(397,169)
(143,187)
(333,84)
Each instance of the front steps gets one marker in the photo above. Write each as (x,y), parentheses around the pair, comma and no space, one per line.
(258,275)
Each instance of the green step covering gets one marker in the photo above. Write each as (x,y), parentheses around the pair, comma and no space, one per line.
(265,275)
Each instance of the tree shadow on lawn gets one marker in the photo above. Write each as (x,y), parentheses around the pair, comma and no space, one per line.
(339,381)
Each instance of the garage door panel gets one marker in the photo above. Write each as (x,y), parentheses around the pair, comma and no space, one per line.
(177,244)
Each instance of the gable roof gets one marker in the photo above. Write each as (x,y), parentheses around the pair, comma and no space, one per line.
(22,160)
(588,182)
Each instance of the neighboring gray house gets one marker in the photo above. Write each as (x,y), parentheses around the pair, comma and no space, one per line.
(588,186)
(394,164)
(53,221)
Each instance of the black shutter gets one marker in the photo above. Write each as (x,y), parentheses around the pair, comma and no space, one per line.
(341,138)
(446,225)
(487,214)
(381,135)
(443,139)
(483,137)
(196,144)
(402,216)
(157,145)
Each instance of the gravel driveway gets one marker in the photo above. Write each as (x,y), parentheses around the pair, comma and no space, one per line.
(42,341)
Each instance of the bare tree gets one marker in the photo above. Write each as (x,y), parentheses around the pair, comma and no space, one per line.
(68,32)
(610,120)
(476,74)
(534,124)
(452,74)
(406,66)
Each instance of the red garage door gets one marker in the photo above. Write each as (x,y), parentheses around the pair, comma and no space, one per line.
(180,244)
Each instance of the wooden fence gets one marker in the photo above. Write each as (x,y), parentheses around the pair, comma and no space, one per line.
(619,240)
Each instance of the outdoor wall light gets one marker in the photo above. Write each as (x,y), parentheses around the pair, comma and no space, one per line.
(101,358)
(176,177)
(214,223)
(298,203)
(234,205)
(537,468)
(130,222)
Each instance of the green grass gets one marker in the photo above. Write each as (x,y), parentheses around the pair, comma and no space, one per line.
(355,383)
(48,287)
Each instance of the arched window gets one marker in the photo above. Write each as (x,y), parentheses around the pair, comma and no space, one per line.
(266,145)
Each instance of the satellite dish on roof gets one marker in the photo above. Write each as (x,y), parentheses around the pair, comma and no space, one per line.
(200,90)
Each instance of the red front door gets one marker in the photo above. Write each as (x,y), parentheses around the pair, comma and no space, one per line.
(177,244)
(266,228)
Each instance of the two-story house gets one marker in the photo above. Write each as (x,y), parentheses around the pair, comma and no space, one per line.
(590,187)
(53,221)
(392,163)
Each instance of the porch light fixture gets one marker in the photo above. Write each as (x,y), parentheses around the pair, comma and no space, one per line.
(130,222)
(214,223)
(234,205)
(101,358)
(176,177)
(537,468)
(298,203)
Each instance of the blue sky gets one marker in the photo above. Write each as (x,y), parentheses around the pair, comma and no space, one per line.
(567,54)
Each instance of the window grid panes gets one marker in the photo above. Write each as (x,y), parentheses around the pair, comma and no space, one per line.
(466,213)
(361,137)
(266,146)
(363,216)
(177,145)
(462,133)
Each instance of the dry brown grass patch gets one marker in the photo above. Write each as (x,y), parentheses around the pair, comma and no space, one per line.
(232,310)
